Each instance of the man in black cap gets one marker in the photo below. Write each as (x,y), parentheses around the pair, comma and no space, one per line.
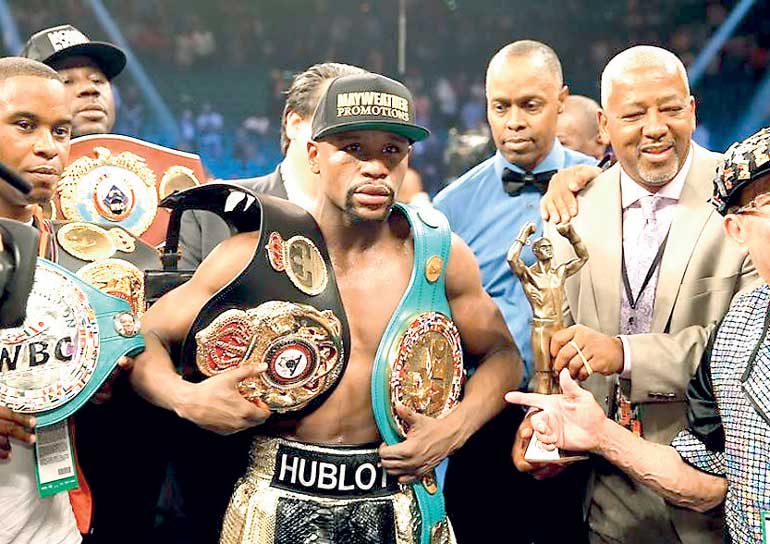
(292,179)
(87,68)
(363,129)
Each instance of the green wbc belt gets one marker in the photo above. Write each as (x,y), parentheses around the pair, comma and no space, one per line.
(419,361)
(69,344)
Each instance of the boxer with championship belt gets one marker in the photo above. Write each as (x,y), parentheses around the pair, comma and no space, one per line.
(317,473)
(55,360)
(419,363)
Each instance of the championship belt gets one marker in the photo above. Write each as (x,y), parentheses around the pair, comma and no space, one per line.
(419,362)
(301,346)
(108,258)
(69,344)
(283,310)
(118,181)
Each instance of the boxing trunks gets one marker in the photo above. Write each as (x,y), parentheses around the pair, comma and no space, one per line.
(295,492)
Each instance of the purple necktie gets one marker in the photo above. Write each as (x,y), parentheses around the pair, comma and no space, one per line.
(638,319)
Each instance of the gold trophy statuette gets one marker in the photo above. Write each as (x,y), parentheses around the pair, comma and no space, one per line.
(543,284)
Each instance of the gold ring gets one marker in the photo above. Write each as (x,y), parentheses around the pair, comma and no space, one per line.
(582,357)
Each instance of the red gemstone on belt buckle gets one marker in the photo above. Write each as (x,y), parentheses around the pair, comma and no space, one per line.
(274,249)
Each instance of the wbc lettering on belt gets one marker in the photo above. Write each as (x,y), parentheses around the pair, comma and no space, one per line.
(49,359)
(327,474)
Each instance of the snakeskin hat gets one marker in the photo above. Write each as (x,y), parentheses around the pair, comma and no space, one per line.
(744,162)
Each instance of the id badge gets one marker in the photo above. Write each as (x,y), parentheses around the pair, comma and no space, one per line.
(764,519)
(55,469)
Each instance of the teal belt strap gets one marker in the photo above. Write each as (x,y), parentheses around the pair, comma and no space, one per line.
(432,236)
(112,346)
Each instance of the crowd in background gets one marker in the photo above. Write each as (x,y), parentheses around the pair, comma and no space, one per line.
(222,67)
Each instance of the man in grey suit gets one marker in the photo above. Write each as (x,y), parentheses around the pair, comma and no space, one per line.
(660,274)
(292,179)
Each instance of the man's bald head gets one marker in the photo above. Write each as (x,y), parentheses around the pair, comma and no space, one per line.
(637,58)
(578,126)
(648,114)
(20,66)
(534,51)
(525,93)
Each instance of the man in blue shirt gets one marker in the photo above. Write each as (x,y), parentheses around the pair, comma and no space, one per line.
(486,207)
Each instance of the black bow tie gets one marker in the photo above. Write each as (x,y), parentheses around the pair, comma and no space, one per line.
(514,182)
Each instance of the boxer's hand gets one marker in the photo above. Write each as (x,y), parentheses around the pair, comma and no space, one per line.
(105,391)
(215,403)
(604,353)
(539,471)
(559,204)
(13,425)
(428,442)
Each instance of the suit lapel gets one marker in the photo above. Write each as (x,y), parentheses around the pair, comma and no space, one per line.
(600,224)
(270,184)
(755,386)
(277,187)
(690,217)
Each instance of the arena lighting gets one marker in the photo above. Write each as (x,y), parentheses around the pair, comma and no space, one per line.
(723,33)
(10,30)
(134,66)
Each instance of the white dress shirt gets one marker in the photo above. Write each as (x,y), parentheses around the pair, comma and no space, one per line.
(633,222)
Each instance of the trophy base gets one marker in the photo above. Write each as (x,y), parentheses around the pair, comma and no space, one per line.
(537,454)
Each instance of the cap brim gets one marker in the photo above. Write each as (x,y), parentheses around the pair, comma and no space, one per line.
(414,133)
(109,58)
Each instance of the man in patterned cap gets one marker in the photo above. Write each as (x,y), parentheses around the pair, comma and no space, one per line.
(721,455)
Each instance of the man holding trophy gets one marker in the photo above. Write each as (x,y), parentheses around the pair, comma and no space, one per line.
(721,455)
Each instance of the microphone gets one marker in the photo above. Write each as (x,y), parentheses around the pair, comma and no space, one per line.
(14,180)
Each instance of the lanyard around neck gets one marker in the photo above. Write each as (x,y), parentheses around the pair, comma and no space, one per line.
(634,301)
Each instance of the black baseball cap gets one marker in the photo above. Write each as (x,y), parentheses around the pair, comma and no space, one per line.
(56,43)
(743,163)
(366,102)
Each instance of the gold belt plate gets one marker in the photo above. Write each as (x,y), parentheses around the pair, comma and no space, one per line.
(301,346)
(427,372)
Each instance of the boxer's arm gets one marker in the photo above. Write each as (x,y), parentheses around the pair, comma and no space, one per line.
(485,335)
(214,403)
(559,203)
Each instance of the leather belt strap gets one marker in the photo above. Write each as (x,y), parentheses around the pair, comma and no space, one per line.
(431,237)
(112,345)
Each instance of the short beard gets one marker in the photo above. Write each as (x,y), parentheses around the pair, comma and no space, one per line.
(658,177)
(350,209)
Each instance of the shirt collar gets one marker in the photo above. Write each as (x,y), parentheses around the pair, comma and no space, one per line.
(553,161)
(631,191)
